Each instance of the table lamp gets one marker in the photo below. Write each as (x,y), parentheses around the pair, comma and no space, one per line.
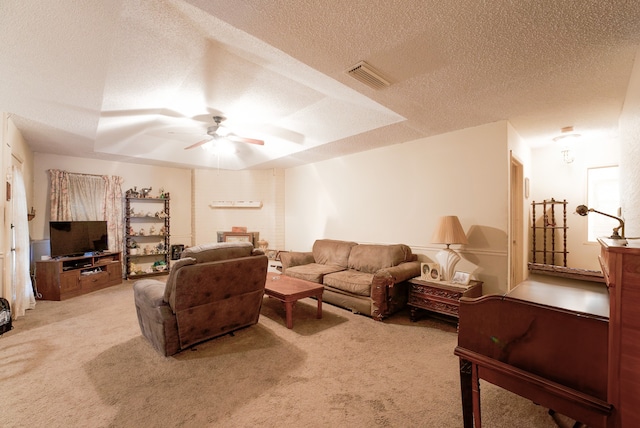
(449,231)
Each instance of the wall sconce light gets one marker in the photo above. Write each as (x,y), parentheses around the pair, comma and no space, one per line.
(583,211)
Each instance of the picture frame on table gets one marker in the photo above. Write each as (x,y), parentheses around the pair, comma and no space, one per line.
(461,278)
(430,272)
(237,237)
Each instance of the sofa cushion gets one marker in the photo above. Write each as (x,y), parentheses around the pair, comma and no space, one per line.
(313,272)
(350,281)
(371,258)
(332,252)
(218,251)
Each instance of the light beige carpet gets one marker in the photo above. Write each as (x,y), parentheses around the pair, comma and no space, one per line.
(84,363)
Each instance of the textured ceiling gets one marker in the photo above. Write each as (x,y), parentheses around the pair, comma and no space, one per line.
(140,80)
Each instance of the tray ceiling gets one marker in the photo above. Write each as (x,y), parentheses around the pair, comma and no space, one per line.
(140,80)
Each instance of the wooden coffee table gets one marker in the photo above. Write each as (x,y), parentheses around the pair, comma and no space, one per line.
(289,290)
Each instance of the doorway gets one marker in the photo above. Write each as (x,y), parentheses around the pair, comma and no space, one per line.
(516,223)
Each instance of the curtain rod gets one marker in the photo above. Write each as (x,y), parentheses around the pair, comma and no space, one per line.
(79,173)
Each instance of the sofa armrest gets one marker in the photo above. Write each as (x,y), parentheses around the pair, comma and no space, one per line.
(295,258)
(387,291)
(149,292)
(400,273)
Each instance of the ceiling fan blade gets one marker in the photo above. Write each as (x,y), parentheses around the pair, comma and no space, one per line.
(198,144)
(244,140)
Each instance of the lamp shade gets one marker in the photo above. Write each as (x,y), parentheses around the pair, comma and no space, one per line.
(449,231)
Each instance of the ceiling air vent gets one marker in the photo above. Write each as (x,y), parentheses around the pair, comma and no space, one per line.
(368,75)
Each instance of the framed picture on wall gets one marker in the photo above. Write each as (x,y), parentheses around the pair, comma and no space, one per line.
(236,237)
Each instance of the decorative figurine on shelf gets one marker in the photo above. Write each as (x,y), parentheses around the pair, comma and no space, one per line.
(144,192)
(133,193)
(133,247)
(163,230)
(263,245)
(161,194)
(161,214)
(141,232)
(160,266)
(160,247)
(152,230)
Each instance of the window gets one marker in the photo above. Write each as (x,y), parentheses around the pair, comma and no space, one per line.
(603,187)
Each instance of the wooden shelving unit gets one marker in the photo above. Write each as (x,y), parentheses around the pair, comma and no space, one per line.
(549,233)
(147,223)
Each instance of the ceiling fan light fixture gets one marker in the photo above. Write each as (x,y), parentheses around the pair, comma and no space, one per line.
(222,131)
(220,147)
(219,133)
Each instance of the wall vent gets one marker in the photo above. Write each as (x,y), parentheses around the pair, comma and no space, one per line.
(368,75)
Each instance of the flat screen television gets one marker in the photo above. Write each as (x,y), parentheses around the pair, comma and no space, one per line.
(73,238)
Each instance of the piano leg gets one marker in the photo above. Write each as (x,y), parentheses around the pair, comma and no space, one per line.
(465,389)
(475,393)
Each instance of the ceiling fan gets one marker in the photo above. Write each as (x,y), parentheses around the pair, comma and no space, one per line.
(216,132)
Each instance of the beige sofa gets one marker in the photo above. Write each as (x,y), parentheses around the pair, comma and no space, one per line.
(365,278)
(211,290)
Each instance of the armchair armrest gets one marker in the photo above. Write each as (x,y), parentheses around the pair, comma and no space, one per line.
(293,258)
(389,290)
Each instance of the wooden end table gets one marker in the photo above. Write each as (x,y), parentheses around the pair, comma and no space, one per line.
(439,296)
(289,290)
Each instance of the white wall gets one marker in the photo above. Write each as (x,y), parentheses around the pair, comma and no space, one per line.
(552,178)
(176,181)
(521,153)
(630,147)
(14,150)
(396,194)
(266,186)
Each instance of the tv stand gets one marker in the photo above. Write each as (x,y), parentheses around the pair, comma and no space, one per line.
(66,277)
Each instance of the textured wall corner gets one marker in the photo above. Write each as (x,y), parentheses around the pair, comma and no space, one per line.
(630,154)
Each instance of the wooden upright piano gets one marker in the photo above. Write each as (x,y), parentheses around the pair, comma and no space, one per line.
(545,340)
(573,347)
(621,269)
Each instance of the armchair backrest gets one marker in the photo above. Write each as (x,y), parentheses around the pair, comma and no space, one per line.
(204,253)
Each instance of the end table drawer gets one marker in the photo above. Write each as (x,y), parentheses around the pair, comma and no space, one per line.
(449,308)
(439,297)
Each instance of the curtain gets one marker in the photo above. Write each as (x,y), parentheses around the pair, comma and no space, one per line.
(113,212)
(88,197)
(22,288)
(59,196)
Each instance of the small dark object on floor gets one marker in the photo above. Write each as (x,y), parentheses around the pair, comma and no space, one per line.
(5,316)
